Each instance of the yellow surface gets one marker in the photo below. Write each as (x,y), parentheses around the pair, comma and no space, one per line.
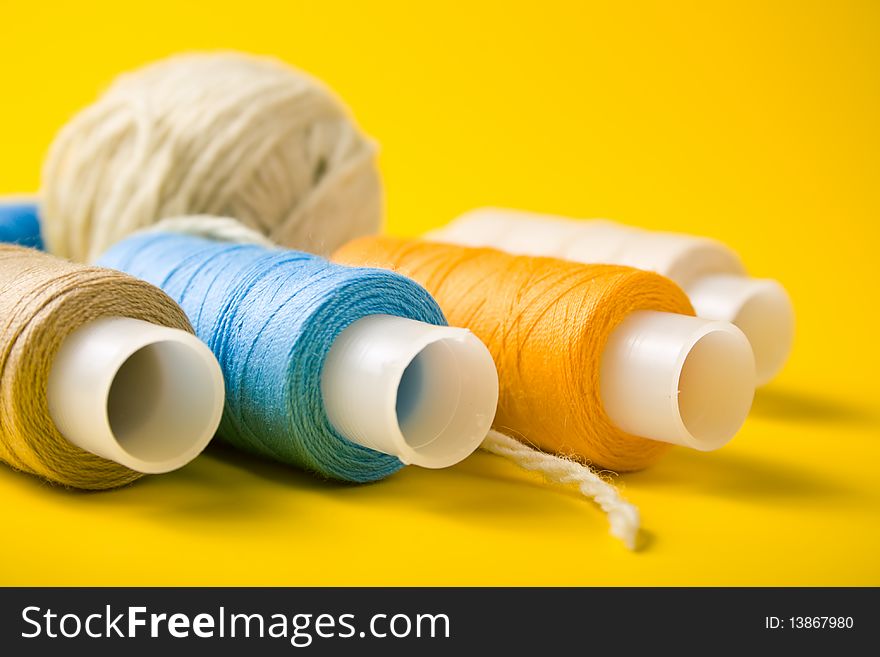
(753,122)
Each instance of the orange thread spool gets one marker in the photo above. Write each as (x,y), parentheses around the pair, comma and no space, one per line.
(546,323)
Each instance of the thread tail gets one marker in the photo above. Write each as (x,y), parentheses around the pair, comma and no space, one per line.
(622,516)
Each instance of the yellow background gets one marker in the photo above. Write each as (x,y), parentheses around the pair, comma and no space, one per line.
(753,122)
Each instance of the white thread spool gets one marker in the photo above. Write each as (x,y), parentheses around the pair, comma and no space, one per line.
(712,274)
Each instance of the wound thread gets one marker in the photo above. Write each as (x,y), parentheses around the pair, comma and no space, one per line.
(546,322)
(43,300)
(270,316)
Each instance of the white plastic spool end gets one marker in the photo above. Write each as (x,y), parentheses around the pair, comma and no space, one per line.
(759,306)
(423,393)
(145,396)
(677,379)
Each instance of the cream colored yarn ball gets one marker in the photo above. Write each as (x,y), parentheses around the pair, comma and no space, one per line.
(220,134)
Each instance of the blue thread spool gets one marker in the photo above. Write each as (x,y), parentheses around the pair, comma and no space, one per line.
(274,318)
(20,222)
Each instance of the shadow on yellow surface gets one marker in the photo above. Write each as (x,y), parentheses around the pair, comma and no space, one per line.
(799,407)
(739,477)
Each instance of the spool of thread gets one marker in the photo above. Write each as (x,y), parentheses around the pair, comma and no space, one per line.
(713,275)
(101,379)
(224,134)
(20,222)
(346,372)
(604,362)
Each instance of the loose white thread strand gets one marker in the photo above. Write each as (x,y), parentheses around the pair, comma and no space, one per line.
(221,229)
(622,516)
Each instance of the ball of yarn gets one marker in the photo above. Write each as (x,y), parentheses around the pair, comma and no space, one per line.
(223,134)
(42,301)
(270,316)
(546,323)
